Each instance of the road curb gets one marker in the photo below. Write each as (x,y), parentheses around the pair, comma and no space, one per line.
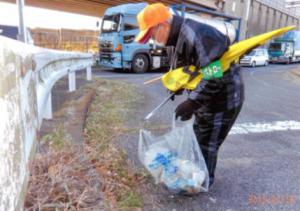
(71,113)
(77,114)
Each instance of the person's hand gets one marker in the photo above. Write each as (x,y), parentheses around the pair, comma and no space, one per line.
(186,109)
(179,92)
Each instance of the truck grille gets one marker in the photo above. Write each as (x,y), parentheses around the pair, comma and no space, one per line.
(106,46)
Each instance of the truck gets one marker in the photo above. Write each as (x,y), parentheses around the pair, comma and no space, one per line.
(285,49)
(118,50)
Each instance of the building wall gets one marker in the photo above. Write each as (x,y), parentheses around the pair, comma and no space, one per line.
(66,39)
(262,17)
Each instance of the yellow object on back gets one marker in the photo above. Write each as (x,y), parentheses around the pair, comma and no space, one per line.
(182,78)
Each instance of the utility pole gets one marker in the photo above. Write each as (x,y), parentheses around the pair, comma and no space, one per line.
(22,36)
(245,24)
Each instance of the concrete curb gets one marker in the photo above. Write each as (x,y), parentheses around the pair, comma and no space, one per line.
(77,114)
(71,111)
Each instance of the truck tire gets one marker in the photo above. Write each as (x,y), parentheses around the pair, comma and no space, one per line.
(140,63)
(266,63)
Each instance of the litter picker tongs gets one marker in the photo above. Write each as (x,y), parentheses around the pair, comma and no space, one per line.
(158,107)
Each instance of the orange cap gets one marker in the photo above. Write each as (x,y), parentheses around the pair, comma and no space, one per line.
(149,17)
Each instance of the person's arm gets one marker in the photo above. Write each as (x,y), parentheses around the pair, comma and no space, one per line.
(209,46)
(182,53)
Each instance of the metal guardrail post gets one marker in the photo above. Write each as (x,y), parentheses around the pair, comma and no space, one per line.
(72,81)
(48,111)
(89,73)
(22,36)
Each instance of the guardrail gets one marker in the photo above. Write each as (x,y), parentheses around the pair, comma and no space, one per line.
(27,75)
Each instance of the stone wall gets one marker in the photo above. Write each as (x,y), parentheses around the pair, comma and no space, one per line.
(28,74)
(19,123)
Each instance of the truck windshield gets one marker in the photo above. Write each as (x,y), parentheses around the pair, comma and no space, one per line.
(110,23)
(275,47)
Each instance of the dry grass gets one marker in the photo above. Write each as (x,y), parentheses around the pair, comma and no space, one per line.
(109,110)
(94,175)
(64,179)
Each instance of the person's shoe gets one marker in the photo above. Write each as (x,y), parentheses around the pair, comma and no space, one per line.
(210,183)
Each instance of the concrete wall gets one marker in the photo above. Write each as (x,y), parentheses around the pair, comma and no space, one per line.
(19,123)
(27,76)
(261,18)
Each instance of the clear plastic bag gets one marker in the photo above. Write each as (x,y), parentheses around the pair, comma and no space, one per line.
(175,159)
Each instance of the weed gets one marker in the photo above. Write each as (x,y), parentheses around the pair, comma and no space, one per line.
(95,174)
(105,123)
(130,200)
(57,138)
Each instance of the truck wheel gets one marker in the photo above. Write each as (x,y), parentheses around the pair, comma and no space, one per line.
(266,63)
(253,64)
(140,63)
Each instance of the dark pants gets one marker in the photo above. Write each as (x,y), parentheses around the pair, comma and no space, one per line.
(211,130)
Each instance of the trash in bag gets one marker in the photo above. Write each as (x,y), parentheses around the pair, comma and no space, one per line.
(175,160)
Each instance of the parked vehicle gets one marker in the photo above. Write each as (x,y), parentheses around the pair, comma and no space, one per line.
(12,32)
(286,49)
(257,57)
(118,50)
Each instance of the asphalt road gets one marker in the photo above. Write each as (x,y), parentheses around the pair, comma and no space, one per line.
(255,171)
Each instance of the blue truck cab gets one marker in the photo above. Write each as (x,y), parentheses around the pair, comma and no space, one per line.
(285,49)
(118,50)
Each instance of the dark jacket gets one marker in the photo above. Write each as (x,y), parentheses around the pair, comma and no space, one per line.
(200,44)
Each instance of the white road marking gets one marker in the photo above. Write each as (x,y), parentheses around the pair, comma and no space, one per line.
(246,128)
